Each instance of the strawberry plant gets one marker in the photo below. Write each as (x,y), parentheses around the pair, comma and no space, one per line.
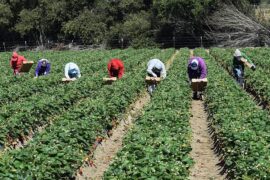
(240,129)
(257,82)
(59,150)
(158,146)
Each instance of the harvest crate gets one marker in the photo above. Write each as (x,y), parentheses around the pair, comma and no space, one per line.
(199,84)
(109,80)
(152,80)
(26,66)
(68,79)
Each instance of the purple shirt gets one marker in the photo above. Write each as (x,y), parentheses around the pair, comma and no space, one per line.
(40,70)
(200,73)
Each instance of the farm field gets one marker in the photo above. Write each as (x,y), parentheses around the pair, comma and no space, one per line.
(49,129)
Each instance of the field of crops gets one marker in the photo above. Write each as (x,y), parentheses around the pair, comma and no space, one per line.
(48,128)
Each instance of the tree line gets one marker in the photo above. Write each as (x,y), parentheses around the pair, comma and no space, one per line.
(141,22)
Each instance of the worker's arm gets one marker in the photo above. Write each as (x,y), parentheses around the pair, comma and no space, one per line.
(163,72)
(109,69)
(24,59)
(66,71)
(48,68)
(79,73)
(149,69)
(203,70)
(11,63)
(189,72)
(38,68)
(121,72)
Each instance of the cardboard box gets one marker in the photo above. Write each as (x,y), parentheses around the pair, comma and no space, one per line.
(109,80)
(68,79)
(152,80)
(199,84)
(26,66)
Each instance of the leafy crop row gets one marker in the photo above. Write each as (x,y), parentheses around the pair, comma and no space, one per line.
(240,129)
(60,150)
(26,86)
(159,145)
(23,118)
(257,82)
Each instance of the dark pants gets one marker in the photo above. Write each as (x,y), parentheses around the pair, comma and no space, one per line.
(157,73)
(239,76)
(151,88)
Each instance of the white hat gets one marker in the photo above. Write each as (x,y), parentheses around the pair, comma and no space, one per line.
(237,53)
(194,64)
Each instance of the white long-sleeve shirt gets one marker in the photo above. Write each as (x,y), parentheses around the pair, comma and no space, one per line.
(70,66)
(156,63)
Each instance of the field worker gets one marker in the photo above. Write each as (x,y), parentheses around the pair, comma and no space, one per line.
(72,71)
(116,68)
(196,70)
(155,68)
(43,67)
(16,62)
(239,60)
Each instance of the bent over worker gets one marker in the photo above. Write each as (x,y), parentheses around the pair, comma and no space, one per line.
(155,68)
(116,68)
(43,67)
(72,71)
(16,62)
(196,70)
(239,61)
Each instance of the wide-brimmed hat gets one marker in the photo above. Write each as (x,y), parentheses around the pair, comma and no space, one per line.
(237,53)
(194,64)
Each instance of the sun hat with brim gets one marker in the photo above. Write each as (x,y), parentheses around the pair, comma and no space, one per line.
(237,53)
(194,64)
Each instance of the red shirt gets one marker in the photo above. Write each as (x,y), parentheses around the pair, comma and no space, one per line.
(16,61)
(116,68)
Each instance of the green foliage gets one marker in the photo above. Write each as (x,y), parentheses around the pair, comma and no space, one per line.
(240,128)
(5,15)
(158,146)
(88,25)
(184,9)
(60,149)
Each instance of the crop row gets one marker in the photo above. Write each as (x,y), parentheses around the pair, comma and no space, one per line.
(240,129)
(27,86)
(158,146)
(257,82)
(24,118)
(60,150)
(260,56)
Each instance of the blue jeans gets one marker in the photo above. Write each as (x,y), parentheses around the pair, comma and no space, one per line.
(239,76)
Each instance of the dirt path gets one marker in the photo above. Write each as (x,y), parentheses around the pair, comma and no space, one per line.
(191,52)
(105,153)
(205,159)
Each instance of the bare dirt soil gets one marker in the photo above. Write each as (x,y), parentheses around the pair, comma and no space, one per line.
(206,160)
(105,153)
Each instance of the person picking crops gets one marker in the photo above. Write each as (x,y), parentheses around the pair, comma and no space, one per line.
(239,61)
(72,71)
(43,68)
(116,68)
(155,68)
(16,62)
(196,70)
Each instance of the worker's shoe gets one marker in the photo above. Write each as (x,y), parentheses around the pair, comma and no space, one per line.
(195,96)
